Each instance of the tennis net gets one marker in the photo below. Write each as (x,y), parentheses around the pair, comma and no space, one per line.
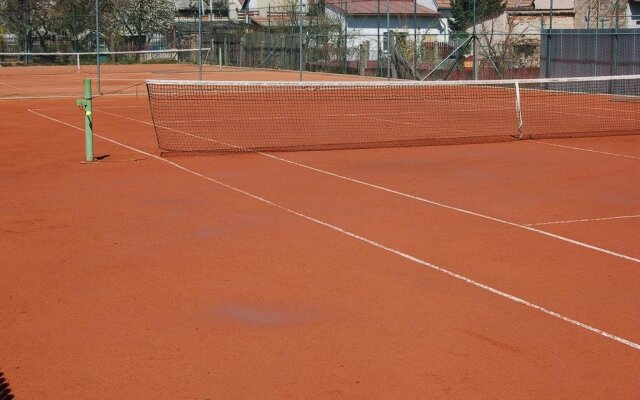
(201,116)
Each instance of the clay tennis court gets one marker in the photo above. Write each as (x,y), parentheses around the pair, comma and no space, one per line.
(495,270)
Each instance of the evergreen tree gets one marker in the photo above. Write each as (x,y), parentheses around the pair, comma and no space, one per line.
(462,12)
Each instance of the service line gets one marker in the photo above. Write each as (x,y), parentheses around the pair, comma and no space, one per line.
(571,221)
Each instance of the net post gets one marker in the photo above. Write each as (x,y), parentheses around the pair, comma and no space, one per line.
(519,111)
(78,62)
(86,105)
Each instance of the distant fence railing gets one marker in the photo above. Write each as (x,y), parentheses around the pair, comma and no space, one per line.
(589,52)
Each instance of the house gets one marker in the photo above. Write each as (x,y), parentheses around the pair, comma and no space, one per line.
(211,9)
(511,39)
(632,13)
(263,7)
(529,17)
(526,18)
(444,8)
(606,14)
(185,9)
(366,21)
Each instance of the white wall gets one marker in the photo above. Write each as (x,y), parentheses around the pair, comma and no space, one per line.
(365,28)
(557,4)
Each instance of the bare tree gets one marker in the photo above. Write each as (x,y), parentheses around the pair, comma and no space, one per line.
(507,43)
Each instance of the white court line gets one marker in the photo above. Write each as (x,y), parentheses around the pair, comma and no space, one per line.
(12,87)
(366,114)
(608,117)
(37,96)
(537,103)
(407,195)
(389,120)
(409,123)
(610,109)
(584,220)
(119,107)
(76,107)
(373,243)
(584,149)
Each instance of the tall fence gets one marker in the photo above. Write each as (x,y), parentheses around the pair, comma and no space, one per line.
(590,52)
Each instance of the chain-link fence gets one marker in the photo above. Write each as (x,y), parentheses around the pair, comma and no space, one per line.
(590,52)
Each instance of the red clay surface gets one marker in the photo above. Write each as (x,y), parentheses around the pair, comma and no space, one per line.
(57,81)
(132,278)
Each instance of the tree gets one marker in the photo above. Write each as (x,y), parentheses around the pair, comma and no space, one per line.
(462,12)
(28,19)
(508,43)
(74,18)
(142,19)
(2,32)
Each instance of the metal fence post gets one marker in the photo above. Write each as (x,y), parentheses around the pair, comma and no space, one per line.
(301,50)
(388,40)
(475,38)
(548,66)
(615,39)
(346,28)
(98,80)
(415,35)
(379,71)
(200,39)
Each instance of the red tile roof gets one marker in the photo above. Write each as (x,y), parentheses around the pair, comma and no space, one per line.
(514,4)
(511,4)
(443,4)
(370,7)
(276,20)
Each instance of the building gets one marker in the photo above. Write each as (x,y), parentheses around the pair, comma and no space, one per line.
(366,22)
(632,11)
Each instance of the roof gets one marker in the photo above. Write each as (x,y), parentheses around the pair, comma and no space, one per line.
(276,20)
(511,4)
(370,7)
(183,4)
(187,5)
(519,4)
(443,4)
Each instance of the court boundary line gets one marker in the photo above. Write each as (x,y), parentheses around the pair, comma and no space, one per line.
(584,220)
(373,243)
(420,199)
(76,107)
(585,149)
(9,86)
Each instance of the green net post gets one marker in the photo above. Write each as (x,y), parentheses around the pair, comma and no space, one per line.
(85,104)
